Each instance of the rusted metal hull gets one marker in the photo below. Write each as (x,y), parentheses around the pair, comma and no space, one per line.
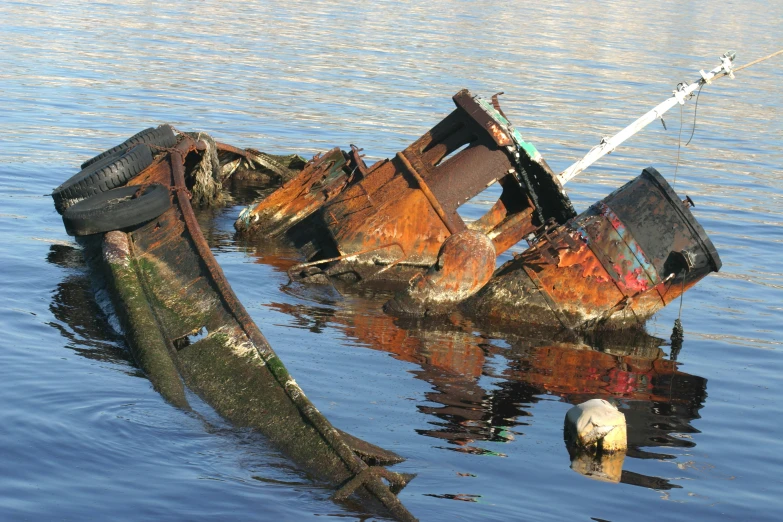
(400,211)
(395,220)
(614,265)
(466,262)
(298,198)
(176,304)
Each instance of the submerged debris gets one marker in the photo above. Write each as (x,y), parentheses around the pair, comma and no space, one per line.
(612,266)
(186,327)
(466,261)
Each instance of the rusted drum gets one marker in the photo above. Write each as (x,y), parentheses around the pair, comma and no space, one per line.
(614,265)
(466,261)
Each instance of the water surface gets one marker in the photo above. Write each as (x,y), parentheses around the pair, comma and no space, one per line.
(478,414)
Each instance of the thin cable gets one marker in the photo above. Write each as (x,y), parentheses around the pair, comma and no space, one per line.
(695,108)
(679,145)
(682,293)
(678,332)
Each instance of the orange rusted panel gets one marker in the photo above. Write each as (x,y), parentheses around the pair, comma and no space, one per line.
(614,265)
(617,263)
(465,263)
(320,180)
(412,199)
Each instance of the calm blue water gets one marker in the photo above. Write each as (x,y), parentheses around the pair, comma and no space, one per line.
(479,417)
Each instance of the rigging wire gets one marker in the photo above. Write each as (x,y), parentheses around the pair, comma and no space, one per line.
(679,146)
(695,109)
(754,62)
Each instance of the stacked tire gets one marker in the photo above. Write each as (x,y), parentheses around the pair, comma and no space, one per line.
(96,200)
(116,209)
(162,136)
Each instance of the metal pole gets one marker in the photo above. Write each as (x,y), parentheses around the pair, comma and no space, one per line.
(607,145)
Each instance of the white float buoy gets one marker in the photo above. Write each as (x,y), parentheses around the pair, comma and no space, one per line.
(596,425)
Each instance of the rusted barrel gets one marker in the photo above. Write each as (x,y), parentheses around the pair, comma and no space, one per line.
(614,265)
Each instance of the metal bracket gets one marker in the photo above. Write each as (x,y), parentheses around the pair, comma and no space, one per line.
(727,60)
(679,93)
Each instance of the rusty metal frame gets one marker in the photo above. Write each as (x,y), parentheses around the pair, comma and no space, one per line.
(492,151)
(428,193)
(302,266)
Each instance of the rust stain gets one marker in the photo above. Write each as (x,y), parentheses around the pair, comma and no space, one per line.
(605,265)
(589,264)
(594,272)
(411,199)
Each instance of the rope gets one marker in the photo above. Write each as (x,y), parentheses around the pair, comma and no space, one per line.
(754,62)
(161,149)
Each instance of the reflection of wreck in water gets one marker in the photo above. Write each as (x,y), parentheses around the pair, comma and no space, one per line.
(74,305)
(658,400)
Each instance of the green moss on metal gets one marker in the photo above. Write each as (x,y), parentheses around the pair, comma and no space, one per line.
(149,348)
(180,314)
(228,373)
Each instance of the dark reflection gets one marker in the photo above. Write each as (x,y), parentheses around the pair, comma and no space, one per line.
(658,400)
(456,357)
(467,413)
(464,497)
(219,238)
(80,319)
(645,481)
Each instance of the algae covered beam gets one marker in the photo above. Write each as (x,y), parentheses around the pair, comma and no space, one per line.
(147,344)
(186,327)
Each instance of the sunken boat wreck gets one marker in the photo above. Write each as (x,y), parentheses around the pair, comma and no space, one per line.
(394,222)
(613,266)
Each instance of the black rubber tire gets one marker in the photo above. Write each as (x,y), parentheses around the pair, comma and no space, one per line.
(116,209)
(108,173)
(162,136)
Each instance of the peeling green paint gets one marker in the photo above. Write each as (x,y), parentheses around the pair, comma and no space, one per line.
(528,147)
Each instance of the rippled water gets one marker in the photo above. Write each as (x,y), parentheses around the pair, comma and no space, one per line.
(478,416)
